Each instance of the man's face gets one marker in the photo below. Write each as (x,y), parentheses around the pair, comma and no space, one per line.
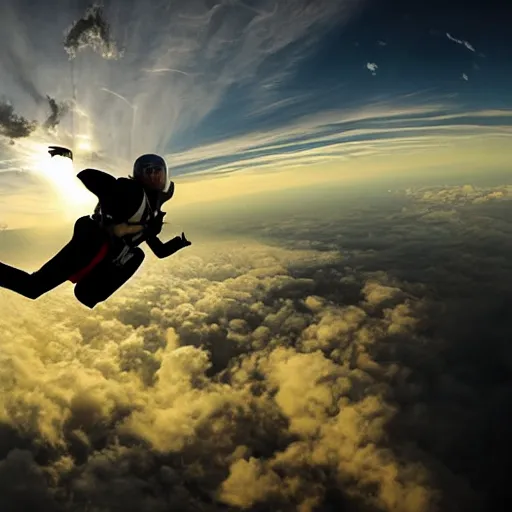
(155,178)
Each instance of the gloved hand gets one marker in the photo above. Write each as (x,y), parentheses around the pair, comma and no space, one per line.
(184,240)
(60,151)
(170,247)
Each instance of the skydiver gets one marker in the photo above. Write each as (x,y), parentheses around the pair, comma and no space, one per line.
(103,252)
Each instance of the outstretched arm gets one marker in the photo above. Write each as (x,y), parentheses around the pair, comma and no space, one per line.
(162,250)
(98,182)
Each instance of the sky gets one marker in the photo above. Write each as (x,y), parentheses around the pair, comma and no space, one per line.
(247,96)
(337,335)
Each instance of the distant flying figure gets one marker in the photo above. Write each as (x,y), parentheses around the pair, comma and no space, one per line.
(103,252)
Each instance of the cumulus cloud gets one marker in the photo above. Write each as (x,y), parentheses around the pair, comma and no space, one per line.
(262,377)
(459,195)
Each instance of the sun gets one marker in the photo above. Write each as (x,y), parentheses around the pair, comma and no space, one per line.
(85,145)
(59,171)
(60,174)
(69,196)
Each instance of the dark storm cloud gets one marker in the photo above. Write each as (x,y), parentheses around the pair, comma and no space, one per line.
(353,376)
(13,125)
(93,31)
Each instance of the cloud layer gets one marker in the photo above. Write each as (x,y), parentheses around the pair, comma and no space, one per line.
(327,367)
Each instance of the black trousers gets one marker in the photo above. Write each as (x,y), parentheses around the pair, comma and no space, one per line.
(87,240)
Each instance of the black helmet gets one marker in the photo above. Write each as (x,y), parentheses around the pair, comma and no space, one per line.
(151,171)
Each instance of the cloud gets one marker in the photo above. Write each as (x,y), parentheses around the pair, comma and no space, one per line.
(58,110)
(351,374)
(13,125)
(176,78)
(377,128)
(93,31)
(459,195)
(339,146)
(460,41)
(372,67)
(206,62)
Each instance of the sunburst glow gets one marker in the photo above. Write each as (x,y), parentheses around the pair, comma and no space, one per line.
(60,174)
